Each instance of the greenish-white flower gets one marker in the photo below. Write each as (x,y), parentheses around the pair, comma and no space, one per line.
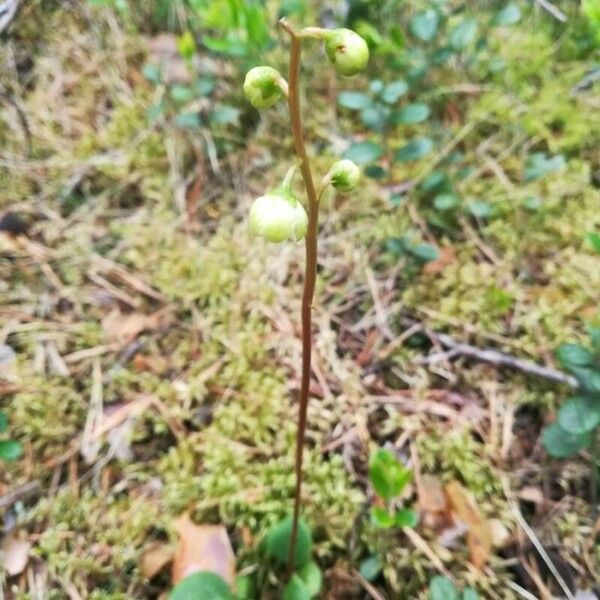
(344,175)
(278,218)
(263,86)
(347,50)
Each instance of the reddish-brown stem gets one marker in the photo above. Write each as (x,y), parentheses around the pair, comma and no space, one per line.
(310,274)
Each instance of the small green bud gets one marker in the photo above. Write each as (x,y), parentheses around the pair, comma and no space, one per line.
(278,218)
(263,86)
(347,51)
(344,175)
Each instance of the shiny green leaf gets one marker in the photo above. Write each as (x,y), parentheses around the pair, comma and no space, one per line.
(415,149)
(364,152)
(424,26)
(411,114)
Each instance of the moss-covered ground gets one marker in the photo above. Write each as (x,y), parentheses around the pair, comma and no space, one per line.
(180,335)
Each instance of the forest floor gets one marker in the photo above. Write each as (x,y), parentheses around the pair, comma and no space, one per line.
(157,349)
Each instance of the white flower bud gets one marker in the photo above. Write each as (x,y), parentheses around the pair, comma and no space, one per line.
(263,86)
(347,50)
(278,218)
(344,175)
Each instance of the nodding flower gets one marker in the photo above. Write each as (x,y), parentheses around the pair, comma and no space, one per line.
(344,175)
(278,216)
(264,86)
(347,50)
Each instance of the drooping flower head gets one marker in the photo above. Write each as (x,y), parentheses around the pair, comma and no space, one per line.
(347,50)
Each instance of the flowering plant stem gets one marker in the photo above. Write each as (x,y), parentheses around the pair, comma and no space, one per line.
(310,273)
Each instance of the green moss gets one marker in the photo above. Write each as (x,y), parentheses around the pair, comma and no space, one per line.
(48,413)
(457,455)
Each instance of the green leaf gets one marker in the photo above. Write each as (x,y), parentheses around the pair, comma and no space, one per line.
(406,517)
(425,252)
(496,64)
(415,149)
(594,333)
(3,421)
(574,355)
(375,171)
(463,34)
(532,203)
(244,588)
(538,165)
(395,245)
(363,152)
(277,542)
(387,474)
(560,444)
(372,118)
(256,24)
(443,55)
(205,86)
(312,577)
(231,46)
(469,594)
(187,120)
(479,209)
(594,240)
(579,415)
(204,585)
(509,15)
(397,199)
(354,100)
(151,73)
(381,518)
(155,111)
(434,181)
(371,567)
(224,115)
(413,113)
(424,26)
(441,588)
(186,45)
(10,450)
(588,377)
(376,86)
(296,589)
(394,91)
(181,94)
(445,201)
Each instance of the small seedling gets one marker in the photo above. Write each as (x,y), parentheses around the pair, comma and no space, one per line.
(389,477)
(579,416)
(441,588)
(278,216)
(9,449)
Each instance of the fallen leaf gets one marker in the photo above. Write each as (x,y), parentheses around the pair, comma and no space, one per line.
(8,361)
(500,533)
(15,554)
(532,494)
(431,495)
(479,534)
(202,548)
(125,327)
(447,256)
(154,558)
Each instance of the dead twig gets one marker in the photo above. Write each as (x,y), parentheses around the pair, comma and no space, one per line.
(14,495)
(553,10)
(536,542)
(369,588)
(494,357)
(8,11)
